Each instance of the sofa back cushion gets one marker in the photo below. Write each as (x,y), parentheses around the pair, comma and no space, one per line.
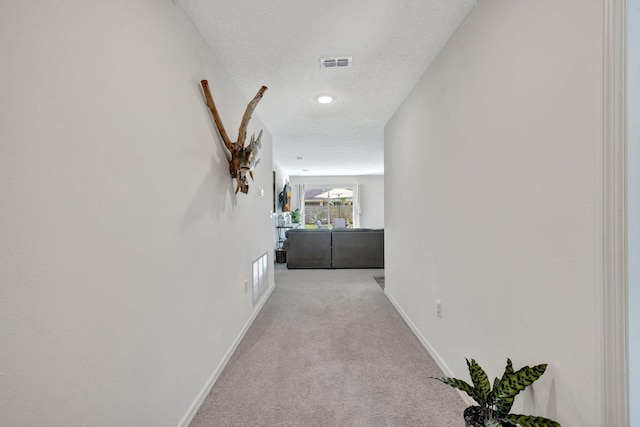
(357,248)
(309,248)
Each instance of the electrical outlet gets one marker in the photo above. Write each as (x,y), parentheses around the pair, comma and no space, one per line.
(246,286)
(438,308)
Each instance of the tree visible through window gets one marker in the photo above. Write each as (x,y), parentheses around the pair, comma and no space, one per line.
(323,205)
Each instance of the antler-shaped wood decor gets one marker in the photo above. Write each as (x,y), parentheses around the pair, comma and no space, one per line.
(243,159)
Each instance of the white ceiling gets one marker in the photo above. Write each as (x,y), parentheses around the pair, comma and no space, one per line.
(279,43)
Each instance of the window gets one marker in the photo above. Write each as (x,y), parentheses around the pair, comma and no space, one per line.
(323,205)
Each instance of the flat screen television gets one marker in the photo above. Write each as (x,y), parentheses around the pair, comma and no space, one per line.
(285,198)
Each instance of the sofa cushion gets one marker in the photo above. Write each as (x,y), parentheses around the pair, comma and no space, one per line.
(307,230)
(310,248)
(358,248)
(351,230)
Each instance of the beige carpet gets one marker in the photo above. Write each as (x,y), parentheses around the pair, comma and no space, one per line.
(329,349)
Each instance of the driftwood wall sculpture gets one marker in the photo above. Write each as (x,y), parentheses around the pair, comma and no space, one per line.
(243,159)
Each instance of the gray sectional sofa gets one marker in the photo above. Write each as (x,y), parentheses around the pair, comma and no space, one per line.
(338,248)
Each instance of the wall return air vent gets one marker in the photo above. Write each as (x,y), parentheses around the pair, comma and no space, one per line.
(341,62)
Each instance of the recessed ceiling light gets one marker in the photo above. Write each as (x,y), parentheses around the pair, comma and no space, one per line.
(325,99)
(305,170)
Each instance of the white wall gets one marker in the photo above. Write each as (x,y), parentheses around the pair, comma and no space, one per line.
(124,250)
(502,141)
(371,197)
(633,198)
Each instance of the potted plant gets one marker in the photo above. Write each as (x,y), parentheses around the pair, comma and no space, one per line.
(494,404)
(295,216)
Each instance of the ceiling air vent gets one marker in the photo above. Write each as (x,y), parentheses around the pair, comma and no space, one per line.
(344,61)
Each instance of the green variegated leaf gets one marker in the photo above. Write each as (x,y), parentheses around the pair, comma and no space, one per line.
(529,421)
(460,385)
(480,381)
(491,399)
(492,423)
(512,384)
(509,368)
(521,379)
(503,404)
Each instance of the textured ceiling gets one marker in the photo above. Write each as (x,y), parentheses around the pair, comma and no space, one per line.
(279,44)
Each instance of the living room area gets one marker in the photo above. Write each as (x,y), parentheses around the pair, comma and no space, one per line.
(330,221)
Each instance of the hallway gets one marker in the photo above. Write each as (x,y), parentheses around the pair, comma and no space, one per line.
(329,349)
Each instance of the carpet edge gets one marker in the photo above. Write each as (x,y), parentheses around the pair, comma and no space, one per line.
(427,345)
(199,400)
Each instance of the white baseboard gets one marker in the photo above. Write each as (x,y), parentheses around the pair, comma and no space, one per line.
(193,409)
(432,351)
